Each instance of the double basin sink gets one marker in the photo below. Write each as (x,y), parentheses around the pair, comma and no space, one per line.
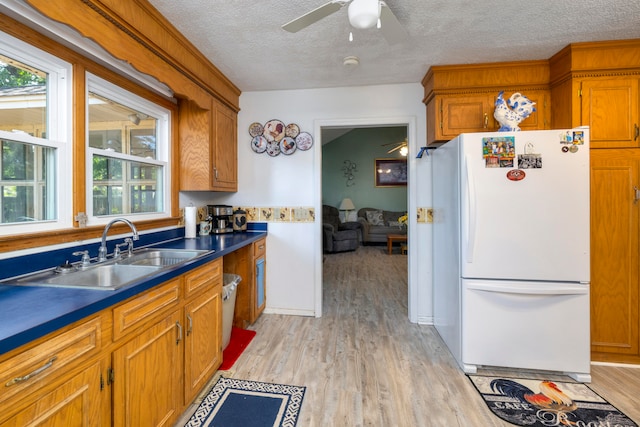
(112,274)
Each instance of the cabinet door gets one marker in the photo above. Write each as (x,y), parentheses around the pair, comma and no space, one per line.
(469,113)
(147,371)
(225,149)
(203,341)
(615,255)
(610,108)
(195,147)
(72,401)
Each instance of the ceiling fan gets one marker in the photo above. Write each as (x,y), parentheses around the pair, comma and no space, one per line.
(362,14)
(402,146)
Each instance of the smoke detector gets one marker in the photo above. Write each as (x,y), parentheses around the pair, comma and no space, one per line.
(351,61)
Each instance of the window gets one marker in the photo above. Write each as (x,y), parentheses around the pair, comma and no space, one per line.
(34,139)
(127,154)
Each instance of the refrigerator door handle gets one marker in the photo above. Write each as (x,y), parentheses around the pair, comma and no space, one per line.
(471,214)
(531,289)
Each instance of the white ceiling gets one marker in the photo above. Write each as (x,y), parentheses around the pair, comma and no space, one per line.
(244,38)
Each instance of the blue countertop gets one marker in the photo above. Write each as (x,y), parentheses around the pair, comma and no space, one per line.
(30,312)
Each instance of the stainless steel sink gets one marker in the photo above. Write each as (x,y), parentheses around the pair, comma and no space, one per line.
(106,277)
(161,257)
(112,274)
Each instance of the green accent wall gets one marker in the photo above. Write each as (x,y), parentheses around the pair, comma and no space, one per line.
(362,146)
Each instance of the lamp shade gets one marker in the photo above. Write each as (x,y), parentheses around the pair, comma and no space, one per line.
(346,205)
(364,13)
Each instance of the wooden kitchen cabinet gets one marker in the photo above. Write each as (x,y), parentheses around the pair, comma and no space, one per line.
(595,84)
(147,385)
(149,361)
(208,147)
(250,264)
(461,98)
(203,335)
(615,255)
(610,107)
(58,381)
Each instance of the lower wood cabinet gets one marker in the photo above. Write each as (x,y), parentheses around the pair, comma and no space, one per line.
(615,255)
(140,363)
(147,376)
(203,337)
(250,264)
(58,380)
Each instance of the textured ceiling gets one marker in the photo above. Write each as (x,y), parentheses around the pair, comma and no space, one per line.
(244,38)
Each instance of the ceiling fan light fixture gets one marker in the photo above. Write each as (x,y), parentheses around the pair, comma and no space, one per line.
(364,13)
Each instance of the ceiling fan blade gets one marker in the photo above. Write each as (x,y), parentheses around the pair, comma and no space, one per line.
(391,28)
(396,148)
(314,16)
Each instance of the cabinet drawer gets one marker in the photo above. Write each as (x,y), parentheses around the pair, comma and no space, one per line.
(55,355)
(140,310)
(259,247)
(198,279)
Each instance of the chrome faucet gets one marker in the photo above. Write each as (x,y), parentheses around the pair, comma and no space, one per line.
(102,252)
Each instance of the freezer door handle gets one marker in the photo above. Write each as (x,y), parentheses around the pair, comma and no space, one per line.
(530,288)
(471,214)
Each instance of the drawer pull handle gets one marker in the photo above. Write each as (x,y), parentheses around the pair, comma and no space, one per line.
(32,374)
(261,247)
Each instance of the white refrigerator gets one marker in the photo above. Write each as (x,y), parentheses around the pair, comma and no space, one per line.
(511,250)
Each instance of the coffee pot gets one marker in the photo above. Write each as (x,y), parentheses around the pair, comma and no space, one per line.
(221,218)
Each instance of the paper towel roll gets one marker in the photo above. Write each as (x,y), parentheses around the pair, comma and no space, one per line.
(190,213)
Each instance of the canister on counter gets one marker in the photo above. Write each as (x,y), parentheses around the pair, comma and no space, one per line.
(239,220)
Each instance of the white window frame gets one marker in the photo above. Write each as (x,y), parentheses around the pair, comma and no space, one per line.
(59,135)
(111,91)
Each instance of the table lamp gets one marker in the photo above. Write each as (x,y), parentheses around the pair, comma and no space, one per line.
(346,205)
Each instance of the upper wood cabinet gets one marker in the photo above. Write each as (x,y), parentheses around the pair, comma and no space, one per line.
(461,98)
(208,147)
(597,85)
(610,108)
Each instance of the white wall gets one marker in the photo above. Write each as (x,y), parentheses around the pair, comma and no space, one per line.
(294,250)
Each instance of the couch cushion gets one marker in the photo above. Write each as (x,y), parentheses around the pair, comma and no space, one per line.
(375,217)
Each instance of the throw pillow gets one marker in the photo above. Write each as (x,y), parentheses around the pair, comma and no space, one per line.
(375,218)
(394,223)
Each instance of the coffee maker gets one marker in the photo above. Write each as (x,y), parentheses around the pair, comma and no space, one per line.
(221,218)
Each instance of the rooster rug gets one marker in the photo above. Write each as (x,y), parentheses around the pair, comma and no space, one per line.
(537,403)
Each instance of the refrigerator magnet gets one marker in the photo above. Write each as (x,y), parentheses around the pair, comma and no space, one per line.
(529,161)
(565,149)
(516,175)
(573,148)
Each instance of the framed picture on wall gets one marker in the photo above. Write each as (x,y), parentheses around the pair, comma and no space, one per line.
(391,172)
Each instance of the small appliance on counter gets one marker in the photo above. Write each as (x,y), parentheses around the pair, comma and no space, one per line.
(239,220)
(221,218)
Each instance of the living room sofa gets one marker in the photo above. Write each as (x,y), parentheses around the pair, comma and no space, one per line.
(377,223)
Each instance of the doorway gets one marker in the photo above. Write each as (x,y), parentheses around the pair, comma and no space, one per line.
(411,134)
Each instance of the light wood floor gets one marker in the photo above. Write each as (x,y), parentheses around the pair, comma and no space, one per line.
(365,364)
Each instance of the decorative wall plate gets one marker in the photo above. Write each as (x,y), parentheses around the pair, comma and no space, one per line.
(259,144)
(292,130)
(255,129)
(273,148)
(287,145)
(274,130)
(304,141)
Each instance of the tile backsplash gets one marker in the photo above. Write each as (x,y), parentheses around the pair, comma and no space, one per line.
(267,214)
